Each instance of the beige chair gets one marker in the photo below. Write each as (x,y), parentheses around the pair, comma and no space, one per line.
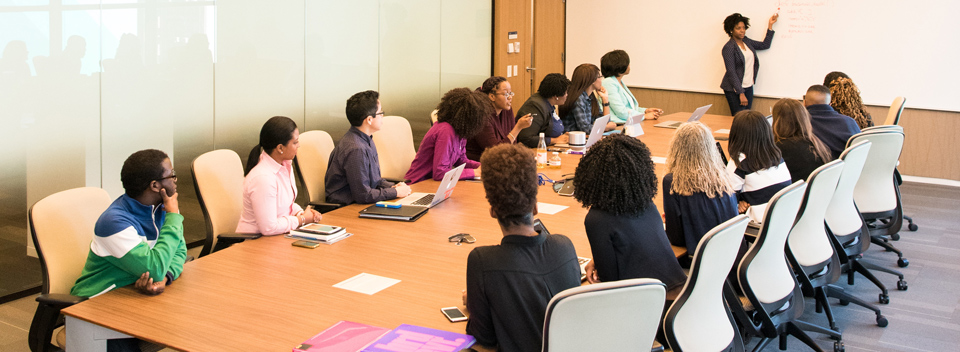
(394,147)
(61,226)
(896,109)
(311,161)
(218,179)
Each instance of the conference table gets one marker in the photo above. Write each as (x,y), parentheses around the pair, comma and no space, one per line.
(266,295)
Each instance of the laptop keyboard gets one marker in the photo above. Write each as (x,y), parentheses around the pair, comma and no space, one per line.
(425,200)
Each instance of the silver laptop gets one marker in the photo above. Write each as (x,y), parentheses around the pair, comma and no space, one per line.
(597,131)
(697,114)
(443,192)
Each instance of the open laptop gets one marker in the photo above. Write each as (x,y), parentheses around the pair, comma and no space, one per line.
(443,192)
(697,114)
(597,131)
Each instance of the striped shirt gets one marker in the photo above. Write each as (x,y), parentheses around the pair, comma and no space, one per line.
(758,187)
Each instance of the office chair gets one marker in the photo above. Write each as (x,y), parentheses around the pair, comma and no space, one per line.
(311,165)
(61,232)
(611,316)
(876,194)
(896,109)
(768,282)
(218,179)
(699,320)
(394,147)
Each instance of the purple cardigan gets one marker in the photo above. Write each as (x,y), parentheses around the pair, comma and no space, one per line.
(440,151)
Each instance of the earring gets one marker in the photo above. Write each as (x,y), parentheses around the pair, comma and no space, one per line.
(281,152)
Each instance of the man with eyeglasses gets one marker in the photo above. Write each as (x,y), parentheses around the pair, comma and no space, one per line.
(139,238)
(353,172)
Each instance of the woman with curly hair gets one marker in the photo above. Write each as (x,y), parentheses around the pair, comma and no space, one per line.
(741,62)
(616,179)
(845,98)
(802,151)
(697,195)
(461,114)
(756,167)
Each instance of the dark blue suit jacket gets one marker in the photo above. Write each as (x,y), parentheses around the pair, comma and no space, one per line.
(733,60)
(833,128)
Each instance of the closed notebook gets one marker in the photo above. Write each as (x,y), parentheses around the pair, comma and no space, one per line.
(344,336)
(412,338)
(404,213)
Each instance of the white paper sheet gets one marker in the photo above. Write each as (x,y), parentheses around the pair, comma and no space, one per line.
(659,159)
(550,209)
(723,131)
(366,283)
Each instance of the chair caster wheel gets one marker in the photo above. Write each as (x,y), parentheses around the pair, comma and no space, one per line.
(844,303)
(838,346)
(903,262)
(913,227)
(902,285)
(895,237)
(884,299)
(881,321)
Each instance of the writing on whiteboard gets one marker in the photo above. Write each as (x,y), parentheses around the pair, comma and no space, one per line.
(801,17)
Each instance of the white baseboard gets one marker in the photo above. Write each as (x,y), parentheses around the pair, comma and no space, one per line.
(932,181)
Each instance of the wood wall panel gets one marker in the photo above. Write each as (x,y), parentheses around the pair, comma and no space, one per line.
(512,16)
(928,150)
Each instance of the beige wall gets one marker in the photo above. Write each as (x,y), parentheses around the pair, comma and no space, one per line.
(927,150)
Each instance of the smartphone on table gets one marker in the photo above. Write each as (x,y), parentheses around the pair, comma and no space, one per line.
(454,314)
(306,244)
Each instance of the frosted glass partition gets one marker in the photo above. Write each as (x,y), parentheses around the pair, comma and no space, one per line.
(259,70)
(465,43)
(410,60)
(342,53)
(85,83)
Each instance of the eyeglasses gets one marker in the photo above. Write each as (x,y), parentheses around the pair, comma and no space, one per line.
(507,94)
(378,114)
(174,177)
(461,238)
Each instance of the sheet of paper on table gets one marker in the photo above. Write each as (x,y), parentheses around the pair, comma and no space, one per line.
(659,159)
(549,209)
(366,283)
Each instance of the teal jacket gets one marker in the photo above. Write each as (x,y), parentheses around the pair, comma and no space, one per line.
(622,103)
(131,239)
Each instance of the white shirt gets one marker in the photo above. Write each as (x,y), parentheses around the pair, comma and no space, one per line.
(747,66)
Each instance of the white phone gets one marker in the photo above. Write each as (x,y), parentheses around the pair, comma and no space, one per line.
(453,314)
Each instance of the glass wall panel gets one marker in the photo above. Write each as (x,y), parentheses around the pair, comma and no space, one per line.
(342,56)
(410,60)
(259,72)
(465,37)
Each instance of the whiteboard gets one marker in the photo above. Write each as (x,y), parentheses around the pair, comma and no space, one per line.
(890,48)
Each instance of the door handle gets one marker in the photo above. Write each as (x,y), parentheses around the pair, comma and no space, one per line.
(531,68)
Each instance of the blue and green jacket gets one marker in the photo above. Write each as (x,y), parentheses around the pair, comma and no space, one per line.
(130,239)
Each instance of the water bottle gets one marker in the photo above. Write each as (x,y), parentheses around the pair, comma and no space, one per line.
(542,152)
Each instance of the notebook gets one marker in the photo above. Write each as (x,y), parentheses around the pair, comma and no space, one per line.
(429,200)
(697,114)
(417,338)
(405,213)
(344,336)
(597,131)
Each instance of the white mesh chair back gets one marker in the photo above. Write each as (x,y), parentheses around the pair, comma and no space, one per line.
(218,177)
(768,274)
(394,147)
(610,316)
(896,109)
(313,156)
(808,239)
(61,225)
(699,320)
(875,191)
(842,215)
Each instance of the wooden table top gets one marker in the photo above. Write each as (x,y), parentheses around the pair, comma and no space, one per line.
(268,295)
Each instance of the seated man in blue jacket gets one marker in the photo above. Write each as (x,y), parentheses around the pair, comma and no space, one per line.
(139,238)
(833,128)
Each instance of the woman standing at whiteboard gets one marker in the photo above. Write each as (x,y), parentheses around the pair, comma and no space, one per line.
(740,60)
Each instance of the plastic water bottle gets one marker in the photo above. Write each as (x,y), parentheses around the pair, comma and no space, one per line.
(542,152)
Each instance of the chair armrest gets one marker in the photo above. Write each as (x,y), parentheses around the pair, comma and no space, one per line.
(323,207)
(225,240)
(59,300)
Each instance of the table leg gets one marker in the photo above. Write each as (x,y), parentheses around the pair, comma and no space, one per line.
(84,336)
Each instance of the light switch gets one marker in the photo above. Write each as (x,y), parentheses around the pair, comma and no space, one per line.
(516,47)
(510,48)
(509,71)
